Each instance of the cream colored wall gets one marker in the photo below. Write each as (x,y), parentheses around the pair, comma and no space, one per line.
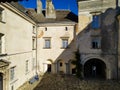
(18,46)
(55,53)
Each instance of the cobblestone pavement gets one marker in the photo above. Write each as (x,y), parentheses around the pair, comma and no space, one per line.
(28,86)
(62,82)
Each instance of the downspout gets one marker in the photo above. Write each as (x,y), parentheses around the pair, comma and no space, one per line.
(36,51)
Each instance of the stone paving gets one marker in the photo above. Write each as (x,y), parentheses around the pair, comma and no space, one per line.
(28,86)
(62,82)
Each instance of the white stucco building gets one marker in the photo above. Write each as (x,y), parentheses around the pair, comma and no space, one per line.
(34,43)
(17,55)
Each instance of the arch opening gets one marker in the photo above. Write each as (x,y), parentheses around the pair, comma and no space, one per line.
(95,68)
(1,81)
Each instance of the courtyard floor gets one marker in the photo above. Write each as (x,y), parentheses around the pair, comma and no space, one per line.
(66,82)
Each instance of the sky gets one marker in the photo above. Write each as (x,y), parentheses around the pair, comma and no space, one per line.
(58,4)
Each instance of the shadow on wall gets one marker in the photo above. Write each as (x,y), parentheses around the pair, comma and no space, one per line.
(93,38)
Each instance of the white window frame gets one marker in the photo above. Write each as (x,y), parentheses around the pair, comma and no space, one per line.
(65,42)
(27,66)
(12,73)
(47,42)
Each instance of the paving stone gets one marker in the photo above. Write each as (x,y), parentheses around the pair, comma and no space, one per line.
(58,82)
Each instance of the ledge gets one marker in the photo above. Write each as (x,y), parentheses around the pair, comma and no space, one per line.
(92,5)
(3,54)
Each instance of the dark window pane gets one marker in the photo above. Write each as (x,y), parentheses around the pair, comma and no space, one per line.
(61,64)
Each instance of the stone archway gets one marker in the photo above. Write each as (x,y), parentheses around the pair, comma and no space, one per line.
(95,68)
(1,81)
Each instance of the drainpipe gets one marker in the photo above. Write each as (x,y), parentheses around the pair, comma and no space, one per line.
(36,50)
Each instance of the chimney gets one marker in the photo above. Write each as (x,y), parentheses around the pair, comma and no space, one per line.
(50,11)
(39,7)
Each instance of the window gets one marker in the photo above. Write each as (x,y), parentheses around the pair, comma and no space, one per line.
(0,45)
(33,63)
(34,31)
(1,14)
(12,73)
(66,28)
(64,43)
(45,28)
(47,43)
(96,43)
(27,63)
(95,22)
(33,43)
(1,42)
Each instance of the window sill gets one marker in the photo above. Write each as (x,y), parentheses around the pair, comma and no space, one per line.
(33,32)
(95,48)
(2,22)
(34,49)
(64,47)
(3,54)
(47,48)
(13,81)
(96,28)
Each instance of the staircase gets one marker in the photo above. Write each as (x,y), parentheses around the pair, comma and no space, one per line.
(67,82)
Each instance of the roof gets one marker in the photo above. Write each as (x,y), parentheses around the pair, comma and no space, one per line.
(61,15)
(18,6)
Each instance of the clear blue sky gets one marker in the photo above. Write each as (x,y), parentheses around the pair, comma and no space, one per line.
(59,4)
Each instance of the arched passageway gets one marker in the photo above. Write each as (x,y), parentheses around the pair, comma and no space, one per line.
(1,81)
(95,68)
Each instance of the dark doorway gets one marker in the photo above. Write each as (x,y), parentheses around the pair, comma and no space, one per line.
(95,68)
(73,71)
(49,68)
(1,81)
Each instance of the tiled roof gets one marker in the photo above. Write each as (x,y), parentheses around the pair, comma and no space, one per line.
(18,6)
(61,15)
